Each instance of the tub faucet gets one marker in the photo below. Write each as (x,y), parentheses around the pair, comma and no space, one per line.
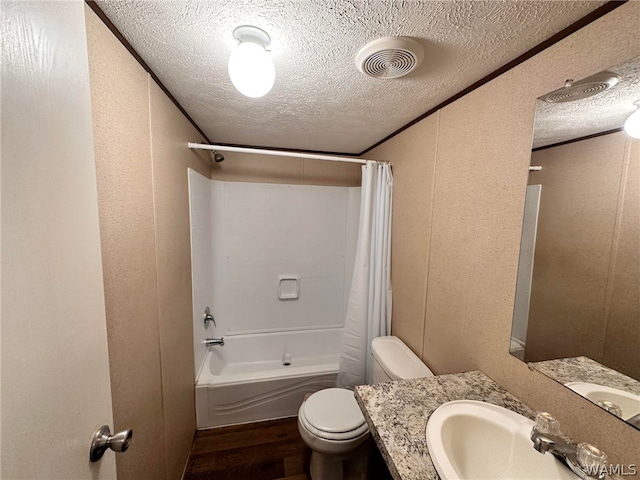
(585,460)
(212,342)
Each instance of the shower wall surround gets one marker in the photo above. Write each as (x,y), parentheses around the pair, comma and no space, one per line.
(246,235)
(201,217)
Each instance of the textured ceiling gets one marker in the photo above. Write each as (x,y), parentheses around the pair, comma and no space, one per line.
(606,111)
(320,101)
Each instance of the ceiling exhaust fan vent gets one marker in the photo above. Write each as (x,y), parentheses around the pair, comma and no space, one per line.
(389,57)
(585,88)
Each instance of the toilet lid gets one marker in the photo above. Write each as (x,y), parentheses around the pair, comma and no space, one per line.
(333,411)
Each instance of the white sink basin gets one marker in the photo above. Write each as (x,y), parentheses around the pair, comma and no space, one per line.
(628,402)
(477,440)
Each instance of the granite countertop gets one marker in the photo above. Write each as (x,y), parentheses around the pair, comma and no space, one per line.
(583,369)
(397,414)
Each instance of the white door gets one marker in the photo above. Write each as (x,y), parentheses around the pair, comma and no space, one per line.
(54,362)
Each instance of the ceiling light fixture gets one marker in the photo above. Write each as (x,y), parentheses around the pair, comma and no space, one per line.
(632,124)
(251,66)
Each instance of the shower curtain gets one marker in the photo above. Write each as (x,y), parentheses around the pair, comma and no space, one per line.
(369,308)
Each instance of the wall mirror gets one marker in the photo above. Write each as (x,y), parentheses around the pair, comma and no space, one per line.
(577,310)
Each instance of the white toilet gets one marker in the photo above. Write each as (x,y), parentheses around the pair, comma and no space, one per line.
(331,424)
(330,421)
(393,360)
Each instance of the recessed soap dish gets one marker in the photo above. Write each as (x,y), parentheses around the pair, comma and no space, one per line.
(288,287)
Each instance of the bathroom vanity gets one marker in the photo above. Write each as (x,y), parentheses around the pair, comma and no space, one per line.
(397,414)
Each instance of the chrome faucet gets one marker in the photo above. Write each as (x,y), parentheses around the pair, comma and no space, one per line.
(610,407)
(585,460)
(208,317)
(212,342)
(617,411)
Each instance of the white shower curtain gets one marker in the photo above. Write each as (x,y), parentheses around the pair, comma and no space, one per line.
(369,309)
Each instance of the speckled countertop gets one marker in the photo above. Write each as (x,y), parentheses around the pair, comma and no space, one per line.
(397,414)
(583,369)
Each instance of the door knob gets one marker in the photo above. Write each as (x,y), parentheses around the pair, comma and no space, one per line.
(102,439)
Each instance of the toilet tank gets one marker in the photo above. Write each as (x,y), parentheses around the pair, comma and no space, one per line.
(393,360)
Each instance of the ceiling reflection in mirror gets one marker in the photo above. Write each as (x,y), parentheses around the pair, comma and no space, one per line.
(577,308)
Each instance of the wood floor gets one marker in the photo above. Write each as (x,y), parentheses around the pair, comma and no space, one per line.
(258,451)
(271,450)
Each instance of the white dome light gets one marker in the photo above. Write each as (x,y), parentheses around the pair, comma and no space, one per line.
(632,125)
(251,67)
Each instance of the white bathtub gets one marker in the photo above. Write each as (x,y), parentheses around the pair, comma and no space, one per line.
(246,381)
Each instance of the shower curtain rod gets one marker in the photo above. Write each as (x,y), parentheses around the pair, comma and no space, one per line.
(279,153)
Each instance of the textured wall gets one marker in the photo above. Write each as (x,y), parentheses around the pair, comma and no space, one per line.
(622,338)
(125,197)
(579,195)
(170,130)
(483,151)
(243,167)
(141,162)
(413,154)
(585,277)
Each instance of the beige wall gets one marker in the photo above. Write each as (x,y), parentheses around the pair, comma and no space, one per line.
(473,208)
(141,164)
(622,308)
(413,154)
(243,167)
(170,131)
(585,285)
(128,244)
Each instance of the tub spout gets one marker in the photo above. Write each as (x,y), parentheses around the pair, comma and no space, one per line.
(212,342)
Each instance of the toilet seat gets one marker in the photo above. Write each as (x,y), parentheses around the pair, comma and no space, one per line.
(333,414)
